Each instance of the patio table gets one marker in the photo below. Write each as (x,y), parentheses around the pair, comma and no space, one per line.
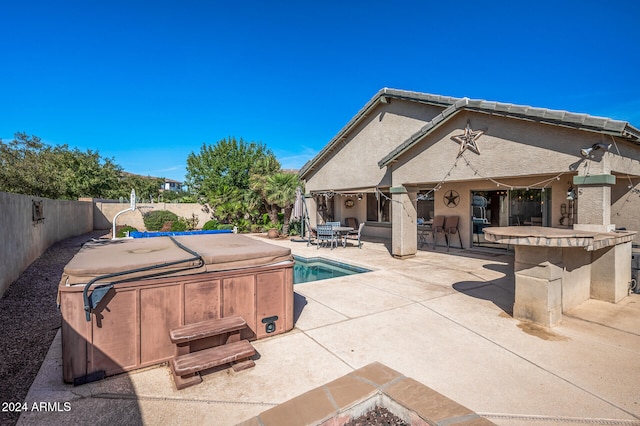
(340,232)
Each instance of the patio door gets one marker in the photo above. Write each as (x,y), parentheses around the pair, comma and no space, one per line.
(530,207)
(516,207)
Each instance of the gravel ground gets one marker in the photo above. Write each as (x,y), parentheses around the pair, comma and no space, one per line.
(30,319)
(377,416)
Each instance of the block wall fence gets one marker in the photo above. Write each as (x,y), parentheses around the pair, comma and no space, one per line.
(28,231)
(25,237)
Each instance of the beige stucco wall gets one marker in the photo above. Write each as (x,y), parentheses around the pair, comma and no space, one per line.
(354,163)
(23,241)
(105,212)
(507,148)
(625,205)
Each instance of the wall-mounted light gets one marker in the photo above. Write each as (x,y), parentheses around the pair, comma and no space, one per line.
(571,194)
(359,197)
(603,146)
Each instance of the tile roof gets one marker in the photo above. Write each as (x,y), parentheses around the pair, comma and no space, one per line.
(453,105)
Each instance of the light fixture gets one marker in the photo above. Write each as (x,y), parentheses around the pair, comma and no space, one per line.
(571,194)
(359,197)
(603,146)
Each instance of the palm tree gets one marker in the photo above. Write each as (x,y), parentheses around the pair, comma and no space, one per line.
(280,190)
(263,169)
(226,204)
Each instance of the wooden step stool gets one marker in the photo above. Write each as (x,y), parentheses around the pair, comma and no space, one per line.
(191,357)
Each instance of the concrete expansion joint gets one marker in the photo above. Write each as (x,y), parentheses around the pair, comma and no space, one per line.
(549,419)
(568,315)
(170,399)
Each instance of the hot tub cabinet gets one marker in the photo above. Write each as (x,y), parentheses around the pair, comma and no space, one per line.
(145,288)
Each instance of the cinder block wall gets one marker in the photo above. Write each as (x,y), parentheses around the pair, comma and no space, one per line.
(24,240)
(106,211)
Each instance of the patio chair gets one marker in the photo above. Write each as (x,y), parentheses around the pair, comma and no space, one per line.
(352,222)
(312,236)
(437,227)
(324,235)
(424,230)
(450,228)
(355,235)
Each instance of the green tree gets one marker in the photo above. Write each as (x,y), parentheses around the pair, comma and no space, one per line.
(87,174)
(220,174)
(281,191)
(226,204)
(29,166)
(146,187)
(264,168)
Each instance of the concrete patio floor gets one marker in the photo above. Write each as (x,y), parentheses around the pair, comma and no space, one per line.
(443,319)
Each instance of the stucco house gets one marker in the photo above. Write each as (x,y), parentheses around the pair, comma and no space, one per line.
(406,157)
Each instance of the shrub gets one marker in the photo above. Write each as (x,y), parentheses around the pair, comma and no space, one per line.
(226,226)
(244,225)
(295,227)
(192,223)
(122,232)
(211,225)
(179,225)
(154,220)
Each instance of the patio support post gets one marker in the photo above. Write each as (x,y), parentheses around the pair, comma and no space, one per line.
(594,196)
(404,235)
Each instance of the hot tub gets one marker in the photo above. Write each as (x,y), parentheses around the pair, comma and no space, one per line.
(120,298)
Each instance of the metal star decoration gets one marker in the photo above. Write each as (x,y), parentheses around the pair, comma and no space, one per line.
(468,140)
(451,198)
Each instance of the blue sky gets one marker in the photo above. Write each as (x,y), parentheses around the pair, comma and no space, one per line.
(148,82)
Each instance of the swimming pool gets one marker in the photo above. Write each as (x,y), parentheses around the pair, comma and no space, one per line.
(317,268)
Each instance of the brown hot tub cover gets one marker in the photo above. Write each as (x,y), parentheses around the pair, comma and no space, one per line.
(220,252)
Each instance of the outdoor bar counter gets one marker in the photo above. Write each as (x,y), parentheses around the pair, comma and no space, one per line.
(120,298)
(558,269)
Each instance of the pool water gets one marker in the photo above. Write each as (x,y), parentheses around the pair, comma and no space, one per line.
(316,268)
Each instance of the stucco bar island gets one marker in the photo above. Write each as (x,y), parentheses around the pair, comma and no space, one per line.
(558,269)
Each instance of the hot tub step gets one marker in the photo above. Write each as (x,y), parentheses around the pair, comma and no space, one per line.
(204,329)
(185,365)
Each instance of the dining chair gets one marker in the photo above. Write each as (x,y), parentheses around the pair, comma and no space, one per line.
(324,235)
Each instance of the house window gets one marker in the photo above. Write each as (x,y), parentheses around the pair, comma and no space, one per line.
(425,206)
(379,207)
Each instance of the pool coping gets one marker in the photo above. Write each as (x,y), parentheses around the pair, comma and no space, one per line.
(343,266)
(352,395)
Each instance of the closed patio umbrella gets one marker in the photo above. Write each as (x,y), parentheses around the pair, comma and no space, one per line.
(298,212)
(298,208)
